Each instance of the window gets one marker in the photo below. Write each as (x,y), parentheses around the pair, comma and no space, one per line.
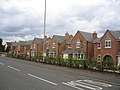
(108,43)
(34,46)
(78,44)
(79,56)
(82,56)
(53,45)
(69,45)
(99,58)
(99,46)
(52,54)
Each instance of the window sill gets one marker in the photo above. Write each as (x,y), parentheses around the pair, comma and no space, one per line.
(107,47)
(98,48)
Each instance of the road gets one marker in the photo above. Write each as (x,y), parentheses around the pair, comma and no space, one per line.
(18,74)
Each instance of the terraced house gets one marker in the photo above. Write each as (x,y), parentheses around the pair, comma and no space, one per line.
(80,46)
(107,48)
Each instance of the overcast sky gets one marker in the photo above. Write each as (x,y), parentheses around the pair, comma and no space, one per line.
(23,19)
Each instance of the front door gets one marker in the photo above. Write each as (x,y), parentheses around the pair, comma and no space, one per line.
(107,61)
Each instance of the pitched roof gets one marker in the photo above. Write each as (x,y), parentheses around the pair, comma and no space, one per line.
(14,43)
(48,41)
(25,42)
(39,40)
(29,42)
(116,34)
(22,42)
(87,36)
(69,41)
(96,40)
(60,39)
(71,51)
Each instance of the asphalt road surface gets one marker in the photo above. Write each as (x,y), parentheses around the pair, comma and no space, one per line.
(18,74)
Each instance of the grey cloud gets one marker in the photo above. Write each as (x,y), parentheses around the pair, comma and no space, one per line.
(20,24)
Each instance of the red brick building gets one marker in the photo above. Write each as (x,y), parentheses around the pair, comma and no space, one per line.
(37,47)
(58,44)
(46,46)
(80,46)
(107,48)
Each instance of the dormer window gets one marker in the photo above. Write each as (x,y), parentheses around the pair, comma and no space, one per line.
(108,43)
(78,44)
(53,45)
(99,46)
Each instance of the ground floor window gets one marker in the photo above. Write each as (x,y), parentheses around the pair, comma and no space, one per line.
(52,54)
(33,53)
(79,56)
(99,58)
(65,56)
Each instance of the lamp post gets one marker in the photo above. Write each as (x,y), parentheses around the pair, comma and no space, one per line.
(44,30)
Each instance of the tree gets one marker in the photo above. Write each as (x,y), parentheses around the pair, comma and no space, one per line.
(1,46)
(0,41)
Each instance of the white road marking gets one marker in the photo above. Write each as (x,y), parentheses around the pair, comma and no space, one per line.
(84,86)
(72,86)
(41,79)
(2,63)
(89,84)
(14,68)
(98,83)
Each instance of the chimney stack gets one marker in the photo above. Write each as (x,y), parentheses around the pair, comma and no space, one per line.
(66,35)
(94,35)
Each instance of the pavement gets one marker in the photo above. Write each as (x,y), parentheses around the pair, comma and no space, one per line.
(16,74)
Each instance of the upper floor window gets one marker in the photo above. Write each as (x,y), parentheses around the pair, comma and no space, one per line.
(69,46)
(78,44)
(34,45)
(99,46)
(108,43)
(53,45)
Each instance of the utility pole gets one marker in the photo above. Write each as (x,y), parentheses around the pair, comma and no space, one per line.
(44,31)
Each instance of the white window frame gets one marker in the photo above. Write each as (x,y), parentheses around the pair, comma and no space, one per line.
(52,54)
(99,45)
(108,43)
(78,44)
(99,58)
(79,56)
(53,45)
(34,46)
(69,46)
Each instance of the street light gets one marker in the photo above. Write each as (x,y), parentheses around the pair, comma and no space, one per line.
(44,31)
